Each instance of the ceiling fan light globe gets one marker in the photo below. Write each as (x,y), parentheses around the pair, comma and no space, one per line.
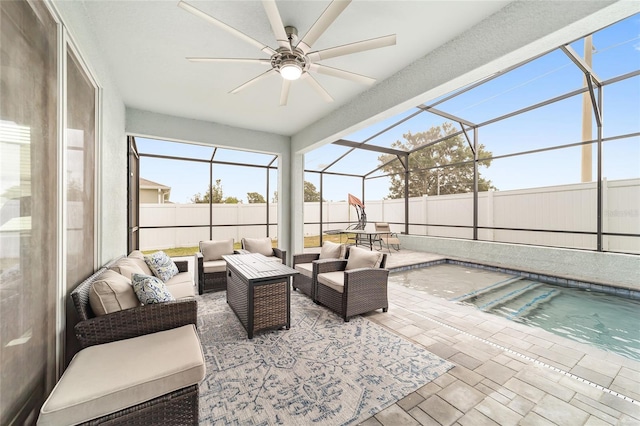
(290,71)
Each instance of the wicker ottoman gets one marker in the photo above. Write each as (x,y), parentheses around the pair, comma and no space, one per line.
(150,379)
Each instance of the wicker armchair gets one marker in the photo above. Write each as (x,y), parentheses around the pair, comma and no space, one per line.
(351,292)
(264,247)
(146,319)
(302,281)
(212,274)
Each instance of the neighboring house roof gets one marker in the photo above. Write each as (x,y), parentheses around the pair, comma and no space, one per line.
(148,184)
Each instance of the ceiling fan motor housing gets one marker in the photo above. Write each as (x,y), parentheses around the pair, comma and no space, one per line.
(284,57)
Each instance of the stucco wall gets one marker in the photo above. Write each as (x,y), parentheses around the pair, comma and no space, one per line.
(604,268)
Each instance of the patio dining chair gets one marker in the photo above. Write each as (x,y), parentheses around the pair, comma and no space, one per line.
(391,239)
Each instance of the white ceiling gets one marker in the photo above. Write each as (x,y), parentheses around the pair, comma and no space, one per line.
(145,44)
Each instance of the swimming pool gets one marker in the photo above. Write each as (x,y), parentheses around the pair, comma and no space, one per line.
(606,321)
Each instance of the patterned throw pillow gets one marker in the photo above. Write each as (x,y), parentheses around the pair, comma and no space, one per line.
(161,265)
(150,289)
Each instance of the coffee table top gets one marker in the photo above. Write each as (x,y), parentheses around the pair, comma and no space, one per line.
(256,267)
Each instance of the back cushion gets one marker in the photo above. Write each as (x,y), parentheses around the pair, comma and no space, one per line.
(361,258)
(138,257)
(214,250)
(332,250)
(126,267)
(258,245)
(112,292)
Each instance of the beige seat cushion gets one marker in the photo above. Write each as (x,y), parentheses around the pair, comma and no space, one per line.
(103,379)
(138,257)
(112,292)
(361,258)
(335,280)
(305,269)
(181,286)
(214,250)
(214,266)
(127,267)
(332,250)
(258,245)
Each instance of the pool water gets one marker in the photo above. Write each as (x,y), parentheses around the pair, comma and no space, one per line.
(606,321)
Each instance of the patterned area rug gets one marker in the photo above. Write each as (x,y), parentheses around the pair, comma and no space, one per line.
(321,371)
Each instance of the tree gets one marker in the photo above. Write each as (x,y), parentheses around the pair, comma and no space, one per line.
(231,200)
(214,192)
(310,192)
(255,198)
(444,180)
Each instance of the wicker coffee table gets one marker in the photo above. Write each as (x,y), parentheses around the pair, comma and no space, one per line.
(258,292)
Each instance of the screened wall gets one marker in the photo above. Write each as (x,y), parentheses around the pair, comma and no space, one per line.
(210,193)
(545,153)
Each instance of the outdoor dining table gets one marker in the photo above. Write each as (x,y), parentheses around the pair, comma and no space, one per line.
(369,236)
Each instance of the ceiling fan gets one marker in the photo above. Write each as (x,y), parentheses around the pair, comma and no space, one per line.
(293,59)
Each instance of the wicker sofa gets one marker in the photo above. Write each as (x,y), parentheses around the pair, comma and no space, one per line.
(129,371)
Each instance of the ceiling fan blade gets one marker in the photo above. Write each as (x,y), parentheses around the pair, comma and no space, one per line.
(277,26)
(232,60)
(253,81)
(314,83)
(197,12)
(335,72)
(284,94)
(347,49)
(320,26)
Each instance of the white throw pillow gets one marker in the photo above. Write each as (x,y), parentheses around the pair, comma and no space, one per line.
(361,258)
(259,245)
(214,250)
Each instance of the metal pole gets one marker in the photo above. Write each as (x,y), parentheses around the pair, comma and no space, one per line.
(321,196)
(475,183)
(587,150)
(599,214)
(267,201)
(406,195)
(211,201)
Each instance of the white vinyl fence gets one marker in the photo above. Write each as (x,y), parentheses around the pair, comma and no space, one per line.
(557,208)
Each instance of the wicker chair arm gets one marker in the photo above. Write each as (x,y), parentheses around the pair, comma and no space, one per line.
(183,265)
(305,258)
(366,280)
(199,272)
(280,254)
(136,322)
(329,265)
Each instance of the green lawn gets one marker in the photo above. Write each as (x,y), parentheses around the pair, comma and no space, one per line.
(312,241)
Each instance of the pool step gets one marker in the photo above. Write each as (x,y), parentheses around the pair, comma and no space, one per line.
(518,307)
(504,295)
(481,291)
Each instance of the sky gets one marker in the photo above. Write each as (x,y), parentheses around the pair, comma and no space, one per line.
(616,52)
